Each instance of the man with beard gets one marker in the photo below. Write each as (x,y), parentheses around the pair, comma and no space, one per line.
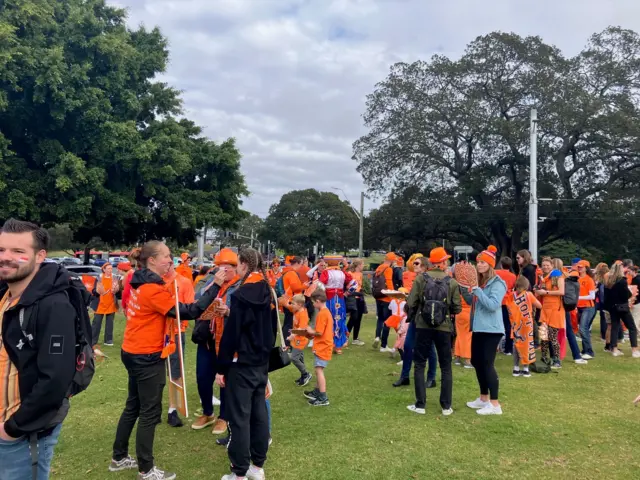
(36,369)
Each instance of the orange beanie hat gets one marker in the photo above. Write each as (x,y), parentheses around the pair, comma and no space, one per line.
(488,256)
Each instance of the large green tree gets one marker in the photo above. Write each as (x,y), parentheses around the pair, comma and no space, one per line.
(89,138)
(450,139)
(304,218)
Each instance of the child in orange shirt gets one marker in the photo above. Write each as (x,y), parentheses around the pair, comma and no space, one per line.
(520,305)
(322,348)
(299,342)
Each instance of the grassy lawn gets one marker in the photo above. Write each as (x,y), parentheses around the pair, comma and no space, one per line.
(578,423)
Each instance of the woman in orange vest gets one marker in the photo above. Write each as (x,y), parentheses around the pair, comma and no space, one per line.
(184,268)
(144,352)
(410,274)
(552,314)
(105,305)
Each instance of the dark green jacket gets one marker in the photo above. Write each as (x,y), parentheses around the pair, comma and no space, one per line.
(414,303)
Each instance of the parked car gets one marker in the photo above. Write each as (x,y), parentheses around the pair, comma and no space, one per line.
(66,261)
(78,270)
(116,260)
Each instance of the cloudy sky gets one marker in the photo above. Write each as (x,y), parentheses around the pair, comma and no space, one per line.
(288,78)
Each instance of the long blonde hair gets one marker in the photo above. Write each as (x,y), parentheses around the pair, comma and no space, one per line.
(615,274)
(355,264)
(602,269)
(483,278)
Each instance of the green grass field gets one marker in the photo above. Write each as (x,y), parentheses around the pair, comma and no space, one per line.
(579,423)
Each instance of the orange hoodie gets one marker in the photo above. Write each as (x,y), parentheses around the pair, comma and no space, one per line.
(387,271)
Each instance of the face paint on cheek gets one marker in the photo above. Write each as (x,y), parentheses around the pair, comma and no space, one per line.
(23,259)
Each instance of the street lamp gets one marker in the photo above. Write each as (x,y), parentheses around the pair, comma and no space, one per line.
(360,217)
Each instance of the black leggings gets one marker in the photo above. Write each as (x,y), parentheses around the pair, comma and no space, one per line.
(483,355)
(627,319)
(355,318)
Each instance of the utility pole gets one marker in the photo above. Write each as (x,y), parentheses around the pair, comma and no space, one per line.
(533,187)
(201,236)
(361,236)
(251,238)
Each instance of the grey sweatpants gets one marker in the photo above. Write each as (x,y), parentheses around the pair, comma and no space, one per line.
(297,358)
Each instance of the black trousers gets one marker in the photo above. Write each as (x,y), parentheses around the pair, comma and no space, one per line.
(96,326)
(425,339)
(483,356)
(287,325)
(355,318)
(246,412)
(508,341)
(147,378)
(627,319)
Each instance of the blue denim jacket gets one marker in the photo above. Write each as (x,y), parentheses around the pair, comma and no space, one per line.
(486,306)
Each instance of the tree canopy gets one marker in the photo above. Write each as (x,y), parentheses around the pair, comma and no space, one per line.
(303,218)
(89,138)
(448,142)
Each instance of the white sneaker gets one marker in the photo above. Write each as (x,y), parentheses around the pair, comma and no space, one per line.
(636,354)
(358,343)
(490,410)
(376,342)
(581,361)
(586,356)
(447,411)
(107,344)
(618,353)
(215,401)
(156,474)
(477,404)
(386,350)
(400,362)
(231,476)
(128,463)
(468,365)
(414,409)
(255,473)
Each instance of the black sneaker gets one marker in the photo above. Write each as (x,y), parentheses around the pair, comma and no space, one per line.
(312,394)
(298,382)
(525,374)
(516,373)
(556,365)
(223,442)
(174,420)
(431,384)
(304,381)
(319,402)
(402,382)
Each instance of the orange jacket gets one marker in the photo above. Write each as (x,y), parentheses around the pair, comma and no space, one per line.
(291,283)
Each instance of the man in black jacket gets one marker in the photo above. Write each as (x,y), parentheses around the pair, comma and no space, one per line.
(36,369)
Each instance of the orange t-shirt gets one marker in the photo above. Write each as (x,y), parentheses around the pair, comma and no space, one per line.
(186,294)
(357,276)
(146,319)
(323,344)
(508,278)
(300,320)
(107,303)
(587,285)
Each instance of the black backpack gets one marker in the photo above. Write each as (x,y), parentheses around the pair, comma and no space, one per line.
(435,306)
(85,363)
(571,294)
(378,284)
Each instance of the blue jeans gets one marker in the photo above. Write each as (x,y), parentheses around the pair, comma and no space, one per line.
(382,331)
(268,402)
(407,359)
(205,376)
(571,338)
(585,319)
(15,457)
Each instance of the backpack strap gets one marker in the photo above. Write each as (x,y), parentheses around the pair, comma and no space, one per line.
(24,324)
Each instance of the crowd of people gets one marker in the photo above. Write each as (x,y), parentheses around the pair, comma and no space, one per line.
(462,314)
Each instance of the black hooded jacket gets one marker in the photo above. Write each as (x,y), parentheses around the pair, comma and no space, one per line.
(45,368)
(251,328)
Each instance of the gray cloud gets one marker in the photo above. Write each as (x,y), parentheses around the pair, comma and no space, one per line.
(288,78)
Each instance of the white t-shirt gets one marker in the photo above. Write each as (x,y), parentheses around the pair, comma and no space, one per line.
(397,307)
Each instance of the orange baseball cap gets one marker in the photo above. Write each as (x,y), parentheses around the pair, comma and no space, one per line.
(390,257)
(438,255)
(584,263)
